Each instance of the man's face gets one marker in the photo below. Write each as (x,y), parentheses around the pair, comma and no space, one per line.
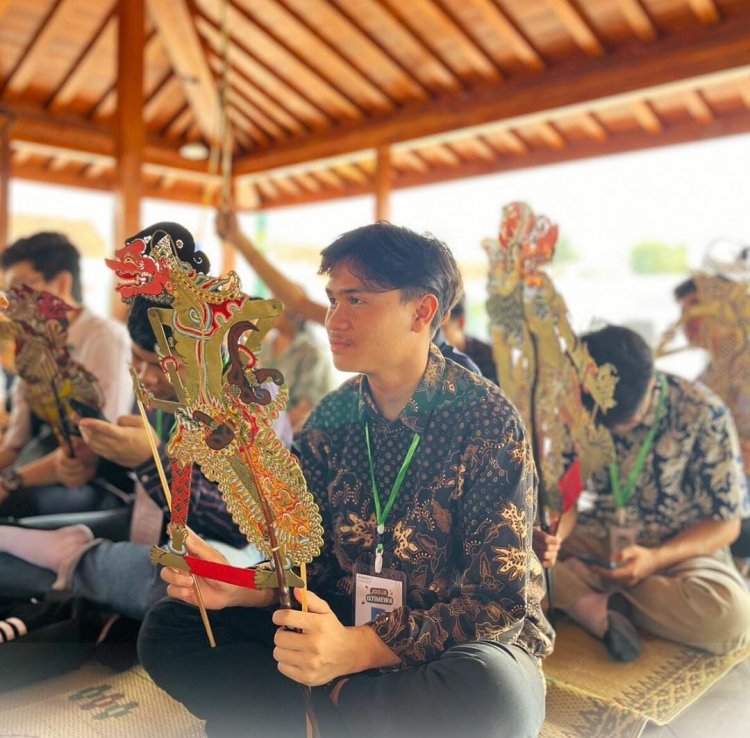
(23,273)
(637,418)
(148,367)
(368,331)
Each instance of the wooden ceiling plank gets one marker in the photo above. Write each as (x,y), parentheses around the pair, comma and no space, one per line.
(591,125)
(295,101)
(283,59)
(705,11)
(166,85)
(21,74)
(179,123)
(698,107)
(638,19)
(440,32)
(174,23)
(316,51)
(405,160)
(550,135)
(577,26)
(309,183)
(506,138)
(330,178)
(245,125)
(646,117)
(348,171)
(492,25)
(680,62)
(84,62)
(288,185)
(359,49)
(258,117)
(400,43)
(280,118)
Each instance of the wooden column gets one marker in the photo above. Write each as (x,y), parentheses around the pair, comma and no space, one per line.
(4,181)
(129,127)
(383,183)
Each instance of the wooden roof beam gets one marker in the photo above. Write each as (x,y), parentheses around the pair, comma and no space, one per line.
(22,73)
(646,117)
(743,87)
(638,19)
(705,11)
(592,127)
(174,23)
(681,62)
(698,107)
(577,26)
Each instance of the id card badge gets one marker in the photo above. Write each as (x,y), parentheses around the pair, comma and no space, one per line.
(620,537)
(376,593)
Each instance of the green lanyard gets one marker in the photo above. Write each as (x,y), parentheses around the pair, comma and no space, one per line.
(381,515)
(159,424)
(622,494)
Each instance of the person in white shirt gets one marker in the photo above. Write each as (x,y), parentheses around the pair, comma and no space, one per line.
(49,261)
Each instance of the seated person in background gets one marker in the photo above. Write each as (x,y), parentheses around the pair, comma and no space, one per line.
(462,649)
(294,297)
(727,342)
(304,362)
(670,505)
(118,575)
(480,352)
(49,262)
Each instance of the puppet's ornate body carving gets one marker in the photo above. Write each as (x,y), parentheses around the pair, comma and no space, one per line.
(208,332)
(541,364)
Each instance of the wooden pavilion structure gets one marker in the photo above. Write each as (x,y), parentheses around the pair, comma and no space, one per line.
(333,98)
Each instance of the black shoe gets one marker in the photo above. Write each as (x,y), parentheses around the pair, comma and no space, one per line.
(621,638)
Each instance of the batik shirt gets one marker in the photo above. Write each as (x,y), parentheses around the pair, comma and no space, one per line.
(460,528)
(692,474)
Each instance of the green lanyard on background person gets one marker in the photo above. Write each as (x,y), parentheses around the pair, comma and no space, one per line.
(622,494)
(381,514)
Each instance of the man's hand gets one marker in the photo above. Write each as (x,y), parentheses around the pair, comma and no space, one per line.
(324,649)
(546,547)
(637,563)
(227,227)
(216,595)
(125,443)
(75,471)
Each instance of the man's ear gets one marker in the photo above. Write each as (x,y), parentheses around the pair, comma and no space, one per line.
(62,286)
(427,306)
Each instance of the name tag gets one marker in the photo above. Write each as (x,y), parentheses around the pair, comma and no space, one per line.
(377,593)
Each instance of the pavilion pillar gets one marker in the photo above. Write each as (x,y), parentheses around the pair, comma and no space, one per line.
(383,183)
(130,134)
(4,181)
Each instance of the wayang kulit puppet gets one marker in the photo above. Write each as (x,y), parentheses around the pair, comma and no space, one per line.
(542,366)
(207,333)
(57,385)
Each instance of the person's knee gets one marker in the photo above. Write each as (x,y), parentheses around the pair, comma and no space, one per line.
(501,691)
(159,639)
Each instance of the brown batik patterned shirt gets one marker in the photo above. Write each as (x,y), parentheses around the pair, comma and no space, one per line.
(460,528)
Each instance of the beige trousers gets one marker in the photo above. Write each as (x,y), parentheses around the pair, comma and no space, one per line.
(702,602)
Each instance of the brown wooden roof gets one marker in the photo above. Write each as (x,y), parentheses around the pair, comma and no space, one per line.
(454,87)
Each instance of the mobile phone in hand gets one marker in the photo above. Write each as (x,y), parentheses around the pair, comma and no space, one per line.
(593,561)
(85,411)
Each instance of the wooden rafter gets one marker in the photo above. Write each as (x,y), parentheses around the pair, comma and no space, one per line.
(646,117)
(445,37)
(591,125)
(638,19)
(174,23)
(550,135)
(20,76)
(292,32)
(257,117)
(577,26)
(705,10)
(743,87)
(493,29)
(179,124)
(84,64)
(505,138)
(677,63)
(698,107)
(383,183)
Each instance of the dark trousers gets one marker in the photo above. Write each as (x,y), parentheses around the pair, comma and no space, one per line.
(473,690)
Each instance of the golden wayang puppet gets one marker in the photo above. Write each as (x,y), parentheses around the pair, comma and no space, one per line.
(57,385)
(542,366)
(207,331)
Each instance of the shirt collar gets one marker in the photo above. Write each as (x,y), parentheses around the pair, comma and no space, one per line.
(650,416)
(417,411)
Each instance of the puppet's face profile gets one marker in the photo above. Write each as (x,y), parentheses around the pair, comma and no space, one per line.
(140,272)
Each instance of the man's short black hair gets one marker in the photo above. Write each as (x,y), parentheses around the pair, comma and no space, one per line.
(49,253)
(187,252)
(389,257)
(683,289)
(634,362)
(139,327)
